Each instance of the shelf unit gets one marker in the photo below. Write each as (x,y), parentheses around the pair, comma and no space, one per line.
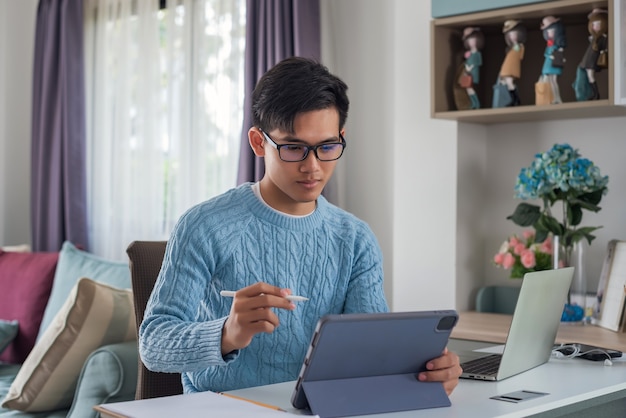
(447,54)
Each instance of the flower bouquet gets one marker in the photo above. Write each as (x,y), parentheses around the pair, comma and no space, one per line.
(561,175)
(523,254)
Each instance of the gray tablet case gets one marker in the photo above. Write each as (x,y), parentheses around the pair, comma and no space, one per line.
(360,364)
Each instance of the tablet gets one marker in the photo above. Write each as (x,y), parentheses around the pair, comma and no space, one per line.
(368,363)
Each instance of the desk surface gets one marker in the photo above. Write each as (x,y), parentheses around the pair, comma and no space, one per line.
(571,384)
(567,382)
(494,328)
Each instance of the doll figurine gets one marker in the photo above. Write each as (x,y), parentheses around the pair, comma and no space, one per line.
(596,56)
(554,34)
(511,70)
(473,40)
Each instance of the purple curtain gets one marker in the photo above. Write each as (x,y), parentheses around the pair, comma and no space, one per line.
(275,30)
(58,184)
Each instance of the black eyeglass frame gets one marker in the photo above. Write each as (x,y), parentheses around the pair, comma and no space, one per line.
(307,148)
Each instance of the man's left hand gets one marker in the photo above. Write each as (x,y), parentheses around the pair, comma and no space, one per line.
(446,369)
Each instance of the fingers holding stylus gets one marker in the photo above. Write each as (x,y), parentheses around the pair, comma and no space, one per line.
(251,313)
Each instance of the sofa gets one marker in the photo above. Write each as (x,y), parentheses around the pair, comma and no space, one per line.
(68,338)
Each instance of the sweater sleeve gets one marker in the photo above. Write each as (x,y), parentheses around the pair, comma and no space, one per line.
(178,333)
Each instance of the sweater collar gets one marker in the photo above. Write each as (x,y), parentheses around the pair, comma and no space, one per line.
(267,214)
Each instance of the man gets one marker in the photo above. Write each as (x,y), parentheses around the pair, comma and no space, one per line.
(265,241)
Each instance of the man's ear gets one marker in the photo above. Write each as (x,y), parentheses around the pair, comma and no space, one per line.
(257,142)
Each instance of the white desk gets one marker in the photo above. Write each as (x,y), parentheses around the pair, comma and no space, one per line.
(573,385)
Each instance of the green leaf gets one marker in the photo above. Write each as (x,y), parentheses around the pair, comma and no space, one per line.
(594,197)
(541,234)
(518,270)
(588,206)
(584,232)
(574,214)
(525,214)
(549,223)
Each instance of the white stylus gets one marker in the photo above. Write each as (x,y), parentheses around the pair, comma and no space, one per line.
(292,298)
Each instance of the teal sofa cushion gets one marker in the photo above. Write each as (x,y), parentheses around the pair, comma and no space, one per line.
(108,375)
(8,331)
(7,374)
(74,264)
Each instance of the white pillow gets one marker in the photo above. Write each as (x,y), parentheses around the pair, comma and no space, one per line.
(93,315)
(24,248)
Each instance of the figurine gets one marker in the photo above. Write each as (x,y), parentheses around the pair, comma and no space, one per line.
(554,34)
(511,70)
(596,55)
(474,40)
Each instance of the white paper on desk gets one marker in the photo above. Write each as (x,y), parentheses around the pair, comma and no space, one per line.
(195,405)
(494,349)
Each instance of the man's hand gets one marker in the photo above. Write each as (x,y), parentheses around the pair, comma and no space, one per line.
(446,369)
(251,314)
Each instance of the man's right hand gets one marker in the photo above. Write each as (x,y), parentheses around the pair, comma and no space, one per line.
(251,314)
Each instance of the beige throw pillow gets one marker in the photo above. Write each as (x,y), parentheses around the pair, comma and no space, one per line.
(93,315)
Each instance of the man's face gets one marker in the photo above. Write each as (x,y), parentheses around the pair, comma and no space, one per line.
(293,187)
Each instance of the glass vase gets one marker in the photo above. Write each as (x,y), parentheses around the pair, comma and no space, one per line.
(575,310)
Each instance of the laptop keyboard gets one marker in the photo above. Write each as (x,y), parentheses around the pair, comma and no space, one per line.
(484,365)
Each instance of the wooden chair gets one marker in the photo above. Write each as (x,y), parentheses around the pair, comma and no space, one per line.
(497,299)
(145,259)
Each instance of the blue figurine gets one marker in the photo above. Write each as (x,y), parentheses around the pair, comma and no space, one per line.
(554,34)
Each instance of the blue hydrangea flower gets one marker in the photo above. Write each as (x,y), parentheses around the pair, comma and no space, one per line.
(559,169)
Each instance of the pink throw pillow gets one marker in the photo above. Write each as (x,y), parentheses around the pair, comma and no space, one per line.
(26,281)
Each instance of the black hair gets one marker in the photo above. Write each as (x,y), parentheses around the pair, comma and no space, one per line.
(480,40)
(293,86)
(559,34)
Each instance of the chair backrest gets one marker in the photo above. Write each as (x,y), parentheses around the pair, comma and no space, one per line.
(145,258)
(497,299)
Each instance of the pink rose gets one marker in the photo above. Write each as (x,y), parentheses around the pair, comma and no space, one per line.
(519,248)
(513,241)
(498,258)
(546,246)
(528,234)
(528,259)
(508,261)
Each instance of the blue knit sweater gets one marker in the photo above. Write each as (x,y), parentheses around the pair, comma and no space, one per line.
(235,240)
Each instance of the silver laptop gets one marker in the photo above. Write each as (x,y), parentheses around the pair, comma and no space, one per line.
(533,328)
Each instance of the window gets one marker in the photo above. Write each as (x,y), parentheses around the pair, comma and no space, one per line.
(165,108)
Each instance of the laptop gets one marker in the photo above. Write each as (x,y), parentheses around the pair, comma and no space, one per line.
(533,329)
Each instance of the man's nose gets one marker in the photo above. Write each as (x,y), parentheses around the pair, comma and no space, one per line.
(310,163)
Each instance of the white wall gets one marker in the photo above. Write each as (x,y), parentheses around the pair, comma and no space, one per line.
(364,172)
(17,23)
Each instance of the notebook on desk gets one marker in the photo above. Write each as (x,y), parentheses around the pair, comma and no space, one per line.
(533,328)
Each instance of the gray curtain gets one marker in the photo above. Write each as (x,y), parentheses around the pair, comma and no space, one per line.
(275,30)
(58,184)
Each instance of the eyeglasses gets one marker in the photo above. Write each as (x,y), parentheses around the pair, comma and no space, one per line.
(292,153)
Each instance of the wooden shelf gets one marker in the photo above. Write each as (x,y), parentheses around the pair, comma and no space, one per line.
(573,110)
(447,54)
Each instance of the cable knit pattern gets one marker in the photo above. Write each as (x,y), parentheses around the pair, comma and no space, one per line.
(235,240)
